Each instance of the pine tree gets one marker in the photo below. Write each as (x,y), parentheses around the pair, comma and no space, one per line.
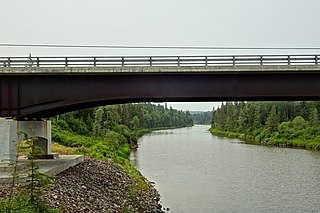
(98,120)
(272,120)
(313,117)
(257,123)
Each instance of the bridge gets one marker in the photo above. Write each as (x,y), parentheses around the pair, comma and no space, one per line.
(39,87)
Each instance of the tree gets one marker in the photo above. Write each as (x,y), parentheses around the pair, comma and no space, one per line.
(272,120)
(257,123)
(299,123)
(313,117)
(242,120)
(135,123)
(98,121)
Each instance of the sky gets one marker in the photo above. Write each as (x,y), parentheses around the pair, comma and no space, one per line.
(226,23)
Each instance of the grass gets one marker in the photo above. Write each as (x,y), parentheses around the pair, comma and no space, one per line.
(114,149)
(64,150)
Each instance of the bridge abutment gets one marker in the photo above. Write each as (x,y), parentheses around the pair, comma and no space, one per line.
(9,137)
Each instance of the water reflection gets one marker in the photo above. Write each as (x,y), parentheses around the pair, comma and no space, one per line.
(162,132)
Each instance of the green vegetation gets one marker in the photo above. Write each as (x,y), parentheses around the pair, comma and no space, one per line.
(108,133)
(289,124)
(119,124)
(22,204)
(28,198)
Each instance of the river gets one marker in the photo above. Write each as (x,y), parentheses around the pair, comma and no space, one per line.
(196,171)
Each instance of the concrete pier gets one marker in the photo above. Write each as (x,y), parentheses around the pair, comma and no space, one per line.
(8,140)
(9,137)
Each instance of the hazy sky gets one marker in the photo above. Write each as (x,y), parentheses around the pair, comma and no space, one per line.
(242,23)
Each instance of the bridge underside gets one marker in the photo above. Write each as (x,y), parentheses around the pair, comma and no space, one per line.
(44,95)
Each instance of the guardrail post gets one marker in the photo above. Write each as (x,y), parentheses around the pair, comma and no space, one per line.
(206,61)
(5,63)
(316,60)
(289,60)
(233,60)
(150,61)
(178,60)
(94,61)
(261,60)
(66,61)
(38,62)
(122,61)
(9,62)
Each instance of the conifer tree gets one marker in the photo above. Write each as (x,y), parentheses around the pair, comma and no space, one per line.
(273,119)
(313,117)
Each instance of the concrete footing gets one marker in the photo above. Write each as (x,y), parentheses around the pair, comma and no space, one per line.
(47,166)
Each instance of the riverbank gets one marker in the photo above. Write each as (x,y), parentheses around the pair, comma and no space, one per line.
(111,184)
(107,134)
(293,124)
(97,186)
(277,140)
(105,182)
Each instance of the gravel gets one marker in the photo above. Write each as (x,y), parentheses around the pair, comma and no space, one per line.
(4,190)
(97,186)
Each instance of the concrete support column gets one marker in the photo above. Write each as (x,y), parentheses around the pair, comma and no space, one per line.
(8,140)
(9,137)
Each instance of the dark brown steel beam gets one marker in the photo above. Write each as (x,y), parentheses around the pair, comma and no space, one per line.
(35,96)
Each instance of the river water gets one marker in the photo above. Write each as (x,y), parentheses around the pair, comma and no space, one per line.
(196,171)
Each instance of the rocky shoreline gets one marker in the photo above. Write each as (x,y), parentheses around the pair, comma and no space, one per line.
(97,186)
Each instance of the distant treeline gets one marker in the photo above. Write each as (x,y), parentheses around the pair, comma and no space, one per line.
(278,123)
(134,116)
(202,117)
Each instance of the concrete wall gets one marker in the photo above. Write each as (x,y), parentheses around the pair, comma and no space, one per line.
(40,129)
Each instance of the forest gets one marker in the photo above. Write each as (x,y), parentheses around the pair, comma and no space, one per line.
(97,121)
(289,123)
(110,131)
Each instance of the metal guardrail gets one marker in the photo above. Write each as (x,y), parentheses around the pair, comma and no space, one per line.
(115,61)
